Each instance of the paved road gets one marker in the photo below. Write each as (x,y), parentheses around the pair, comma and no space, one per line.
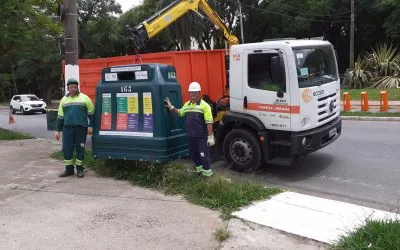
(34,124)
(362,167)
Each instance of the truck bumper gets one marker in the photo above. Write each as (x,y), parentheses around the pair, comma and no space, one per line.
(306,142)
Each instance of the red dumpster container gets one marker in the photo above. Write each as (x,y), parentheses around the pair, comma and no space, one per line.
(205,66)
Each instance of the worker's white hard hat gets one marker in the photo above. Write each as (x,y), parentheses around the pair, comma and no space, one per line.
(194,87)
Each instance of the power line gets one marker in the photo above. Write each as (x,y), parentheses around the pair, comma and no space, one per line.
(310,13)
(298,17)
(303,11)
(352,36)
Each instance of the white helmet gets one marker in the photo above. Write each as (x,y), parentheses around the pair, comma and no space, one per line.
(194,87)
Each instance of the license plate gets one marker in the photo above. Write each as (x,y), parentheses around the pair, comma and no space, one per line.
(332,132)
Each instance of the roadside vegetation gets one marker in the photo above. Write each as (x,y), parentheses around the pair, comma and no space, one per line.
(372,235)
(371,114)
(214,192)
(32,47)
(377,68)
(6,134)
(373,94)
(222,235)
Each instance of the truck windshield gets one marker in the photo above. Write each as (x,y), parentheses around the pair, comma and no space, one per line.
(315,66)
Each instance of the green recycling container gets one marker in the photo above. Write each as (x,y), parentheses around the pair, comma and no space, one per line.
(131,121)
(51,118)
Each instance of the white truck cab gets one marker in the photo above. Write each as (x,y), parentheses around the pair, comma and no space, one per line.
(286,95)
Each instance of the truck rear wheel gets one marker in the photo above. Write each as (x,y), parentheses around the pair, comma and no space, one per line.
(242,149)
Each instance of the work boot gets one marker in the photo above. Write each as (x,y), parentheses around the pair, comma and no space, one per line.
(69,170)
(79,171)
(199,169)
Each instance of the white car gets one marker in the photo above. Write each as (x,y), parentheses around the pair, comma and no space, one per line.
(27,104)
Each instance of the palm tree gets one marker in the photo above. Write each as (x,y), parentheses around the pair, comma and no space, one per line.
(379,68)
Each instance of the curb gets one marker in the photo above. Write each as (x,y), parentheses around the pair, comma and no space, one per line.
(54,142)
(369,118)
(320,219)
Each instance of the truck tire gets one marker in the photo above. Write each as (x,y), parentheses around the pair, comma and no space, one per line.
(242,150)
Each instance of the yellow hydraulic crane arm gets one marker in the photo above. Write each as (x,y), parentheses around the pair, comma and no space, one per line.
(168,15)
(162,19)
(218,23)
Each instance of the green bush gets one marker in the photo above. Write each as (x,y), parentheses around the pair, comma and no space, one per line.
(379,68)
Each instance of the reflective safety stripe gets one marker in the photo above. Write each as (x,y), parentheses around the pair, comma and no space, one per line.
(192,111)
(207,172)
(200,107)
(199,169)
(78,162)
(194,108)
(75,111)
(68,162)
(74,104)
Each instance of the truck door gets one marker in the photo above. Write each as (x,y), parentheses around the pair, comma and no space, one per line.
(265,97)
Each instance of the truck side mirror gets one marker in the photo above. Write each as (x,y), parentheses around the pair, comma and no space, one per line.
(280,93)
(278,73)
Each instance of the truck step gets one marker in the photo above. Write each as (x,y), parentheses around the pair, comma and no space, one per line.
(281,143)
(280,161)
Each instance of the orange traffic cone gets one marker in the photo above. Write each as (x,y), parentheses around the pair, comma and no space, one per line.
(11,119)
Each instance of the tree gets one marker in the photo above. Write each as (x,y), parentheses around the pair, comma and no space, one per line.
(191,28)
(392,21)
(132,18)
(30,39)
(94,14)
(39,65)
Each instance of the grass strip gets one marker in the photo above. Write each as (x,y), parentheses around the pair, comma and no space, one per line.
(372,235)
(215,192)
(373,94)
(371,114)
(6,134)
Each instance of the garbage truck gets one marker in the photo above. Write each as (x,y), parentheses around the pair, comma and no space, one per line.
(284,94)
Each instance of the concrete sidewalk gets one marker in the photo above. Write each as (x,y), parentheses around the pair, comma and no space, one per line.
(39,210)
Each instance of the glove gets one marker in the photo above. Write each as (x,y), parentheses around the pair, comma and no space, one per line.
(167,103)
(57,136)
(90,131)
(211,140)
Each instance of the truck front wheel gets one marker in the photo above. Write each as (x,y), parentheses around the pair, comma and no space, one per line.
(242,149)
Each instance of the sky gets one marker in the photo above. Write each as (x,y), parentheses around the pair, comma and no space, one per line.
(127,4)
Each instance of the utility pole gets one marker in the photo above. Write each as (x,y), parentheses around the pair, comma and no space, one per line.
(241,20)
(352,36)
(15,83)
(71,41)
